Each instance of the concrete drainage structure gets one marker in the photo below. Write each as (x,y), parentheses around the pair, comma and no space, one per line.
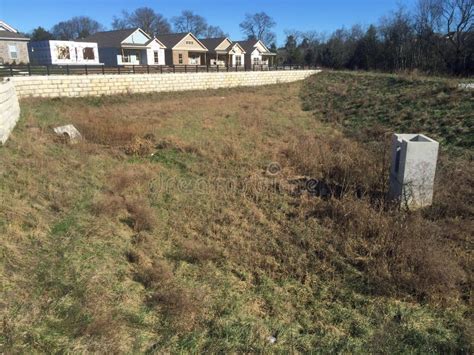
(9,109)
(412,171)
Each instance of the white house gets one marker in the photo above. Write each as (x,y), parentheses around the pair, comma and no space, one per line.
(256,53)
(63,53)
(128,47)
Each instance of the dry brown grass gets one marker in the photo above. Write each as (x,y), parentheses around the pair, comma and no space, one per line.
(101,255)
(142,216)
(400,251)
(195,251)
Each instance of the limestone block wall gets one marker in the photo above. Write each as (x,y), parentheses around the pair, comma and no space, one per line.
(96,85)
(9,109)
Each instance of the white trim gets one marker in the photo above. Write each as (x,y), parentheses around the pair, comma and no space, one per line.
(237,44)
(7,26)
(159,42)
(131,34)
(197,40)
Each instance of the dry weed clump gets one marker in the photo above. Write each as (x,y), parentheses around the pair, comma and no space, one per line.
(106,132)
(195,251)
(142,216)
(108,204)
(454,191)
(336,160)
(139,146)
(123,187)
(121,180)
(182,306)
(400,252)
(178,145)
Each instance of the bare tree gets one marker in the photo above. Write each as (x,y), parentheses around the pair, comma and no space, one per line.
(144,17)
(188,21)
(451,23)
(77,27)
(259,26)
(214,31)
(457,19)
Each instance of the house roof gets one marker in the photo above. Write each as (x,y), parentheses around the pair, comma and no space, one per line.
(172,39)
(250,44)
(155,39)
(236,44)
(212,43)
(109,38)
(7,27)
(12,36)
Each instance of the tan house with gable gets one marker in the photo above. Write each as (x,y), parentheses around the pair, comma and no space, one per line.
(224,52)
(183,49)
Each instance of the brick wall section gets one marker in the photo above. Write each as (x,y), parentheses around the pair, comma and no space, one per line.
(96,85)
(9,109)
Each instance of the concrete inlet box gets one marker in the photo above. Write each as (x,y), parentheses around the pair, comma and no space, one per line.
(412,169)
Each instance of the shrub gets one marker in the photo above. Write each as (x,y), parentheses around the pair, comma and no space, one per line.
(141,214)
(336,160)
(140,146)
(195,251)
(401,253)
(108,204)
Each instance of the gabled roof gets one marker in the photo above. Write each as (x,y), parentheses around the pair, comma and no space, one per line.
(155,39)
(170,40)
(110,38)
(12,36)
(213,43)
(249,45)
(234,44)
(7,27)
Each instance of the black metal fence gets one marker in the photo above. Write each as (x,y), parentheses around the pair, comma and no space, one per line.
(29,70)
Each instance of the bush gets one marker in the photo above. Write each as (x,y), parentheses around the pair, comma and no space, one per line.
(141,214)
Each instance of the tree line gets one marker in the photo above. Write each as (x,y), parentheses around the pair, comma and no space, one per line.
(256,25)
(437,37)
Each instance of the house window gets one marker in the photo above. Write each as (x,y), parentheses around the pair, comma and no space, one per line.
(13,51)
(63,52)
(238,60)
(190,42)
(88,53)
(180,58)
(256,60)
(156,57)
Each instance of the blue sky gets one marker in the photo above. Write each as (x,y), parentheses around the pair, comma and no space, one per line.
(319,15)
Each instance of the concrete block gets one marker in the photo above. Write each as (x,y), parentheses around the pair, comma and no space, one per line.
(412,170)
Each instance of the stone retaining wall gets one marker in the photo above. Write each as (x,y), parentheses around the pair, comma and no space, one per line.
(96,85)
(9,109)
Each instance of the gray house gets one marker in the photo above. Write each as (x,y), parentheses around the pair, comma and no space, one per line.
(13,45)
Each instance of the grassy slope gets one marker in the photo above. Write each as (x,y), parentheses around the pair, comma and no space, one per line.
(361,102)
(195,247)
